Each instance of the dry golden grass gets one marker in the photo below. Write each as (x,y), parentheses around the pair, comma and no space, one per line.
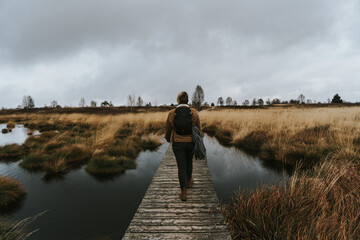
(290,134)
(320,203)
(11,191)
(74,139)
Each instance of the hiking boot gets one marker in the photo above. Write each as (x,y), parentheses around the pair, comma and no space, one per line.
(190,182)
(183,194)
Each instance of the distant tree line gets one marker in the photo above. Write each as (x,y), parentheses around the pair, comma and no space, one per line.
(197,101)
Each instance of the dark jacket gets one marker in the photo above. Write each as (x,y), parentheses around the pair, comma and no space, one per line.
(199,147)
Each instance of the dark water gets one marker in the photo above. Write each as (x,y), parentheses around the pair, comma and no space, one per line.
(82,207)
(233,170)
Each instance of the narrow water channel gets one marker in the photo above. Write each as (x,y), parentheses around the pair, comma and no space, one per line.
(82,207)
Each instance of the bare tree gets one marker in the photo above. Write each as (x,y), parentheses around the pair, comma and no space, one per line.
(198,97)
(260,101)
(82,102)
(308,101)
(139,102)
(28,102)
(131,100)
(220,101)
(229,101)
(53,104)
(254,101)
(246,103)
(235,103)
(105,104)
(93,103)
(301,98)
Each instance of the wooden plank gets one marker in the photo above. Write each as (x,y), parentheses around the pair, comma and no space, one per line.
(162,215)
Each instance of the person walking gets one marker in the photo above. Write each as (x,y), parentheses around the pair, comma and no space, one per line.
(179,125)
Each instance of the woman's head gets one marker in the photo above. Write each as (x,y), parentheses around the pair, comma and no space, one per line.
(182,98)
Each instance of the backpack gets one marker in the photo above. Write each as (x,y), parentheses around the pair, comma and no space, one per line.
(182,121)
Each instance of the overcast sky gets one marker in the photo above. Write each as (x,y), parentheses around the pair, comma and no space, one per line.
(105,50)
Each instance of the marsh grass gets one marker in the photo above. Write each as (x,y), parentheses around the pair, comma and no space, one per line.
(12,152)
(11,192)
(321,204)
(34,161)
(10,125)
(17,230)
(290,135)
(321,199)
(68,141)
(151,143)
(105,165)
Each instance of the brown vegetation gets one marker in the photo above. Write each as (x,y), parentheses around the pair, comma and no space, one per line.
(68,141)
(319,203)
(11,192)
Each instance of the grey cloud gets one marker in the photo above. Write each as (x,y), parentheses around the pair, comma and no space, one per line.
(155,49)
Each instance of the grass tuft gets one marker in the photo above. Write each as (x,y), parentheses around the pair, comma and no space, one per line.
(75,153)
(34,161)
(12,152)
(105,165)
(11,191)
(322,205)
(150,144)
(10,125)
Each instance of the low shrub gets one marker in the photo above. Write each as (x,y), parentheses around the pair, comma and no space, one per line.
(4,130)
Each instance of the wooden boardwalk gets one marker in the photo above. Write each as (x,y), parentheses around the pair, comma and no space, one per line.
(162,215)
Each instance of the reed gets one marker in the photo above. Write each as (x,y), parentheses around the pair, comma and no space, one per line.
(321,204)
(17,230)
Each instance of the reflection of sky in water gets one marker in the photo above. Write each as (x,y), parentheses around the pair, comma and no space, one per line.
(81,207)
(232,169)
(17,135)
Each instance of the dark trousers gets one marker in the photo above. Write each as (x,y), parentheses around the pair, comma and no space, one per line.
(184,154)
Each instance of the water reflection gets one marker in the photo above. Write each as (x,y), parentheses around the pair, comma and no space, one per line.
(18,135)
(232,169)
(83,207)
(80,206)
